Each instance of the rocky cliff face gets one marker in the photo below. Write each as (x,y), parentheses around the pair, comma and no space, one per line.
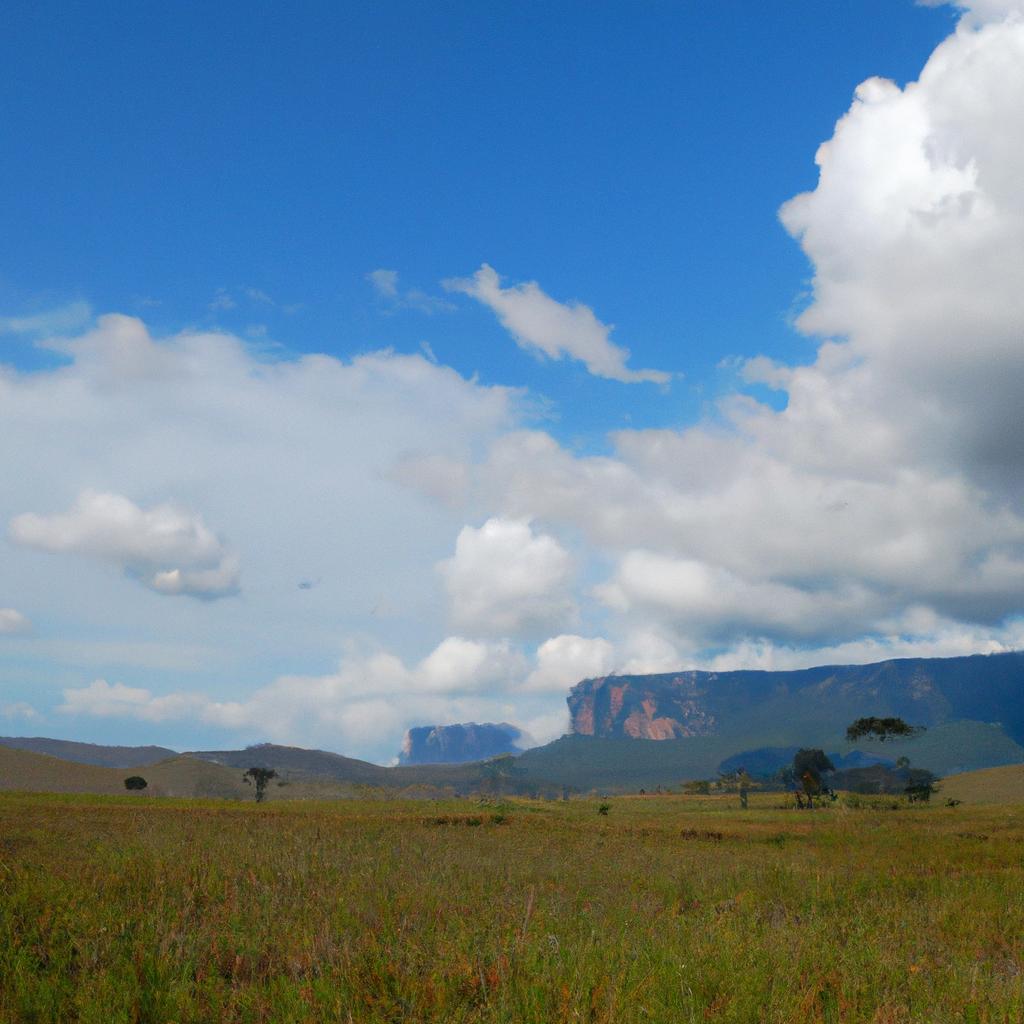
(455,744)
(925,691)
(641,707)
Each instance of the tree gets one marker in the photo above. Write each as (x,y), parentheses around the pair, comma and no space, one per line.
(920,785)
(259,777)
(740,781)
(498,770)
(809,765)
(882,729)
(697,787)
(135,782)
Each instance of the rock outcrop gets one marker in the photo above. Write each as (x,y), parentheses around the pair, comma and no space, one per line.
(456,744)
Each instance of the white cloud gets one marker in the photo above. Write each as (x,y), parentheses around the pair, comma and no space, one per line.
(101,699)
(540,324)
(372,697)
(12,621)
(169,549)
(71,317)
(504,579)
(564,660)
(892,477)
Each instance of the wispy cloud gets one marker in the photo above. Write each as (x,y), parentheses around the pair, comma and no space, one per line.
(61,320)
(540,324)
(386,284)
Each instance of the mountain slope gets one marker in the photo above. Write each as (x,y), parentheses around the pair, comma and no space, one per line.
(785,707)
(179,776)
(89,753)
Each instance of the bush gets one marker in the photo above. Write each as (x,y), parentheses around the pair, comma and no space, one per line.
(135,782)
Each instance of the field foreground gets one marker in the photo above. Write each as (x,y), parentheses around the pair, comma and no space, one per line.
(666,909)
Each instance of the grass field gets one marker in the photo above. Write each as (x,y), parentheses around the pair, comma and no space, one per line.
(126,909)
(1003,785)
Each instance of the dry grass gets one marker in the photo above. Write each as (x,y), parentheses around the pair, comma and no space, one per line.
(1004,785)
(667,909)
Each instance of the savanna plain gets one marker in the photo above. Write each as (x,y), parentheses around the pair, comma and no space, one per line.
(663,908)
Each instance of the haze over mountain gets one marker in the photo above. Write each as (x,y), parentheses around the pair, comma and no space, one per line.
(451,744)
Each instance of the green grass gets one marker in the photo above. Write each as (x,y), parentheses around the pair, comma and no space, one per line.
(667,909)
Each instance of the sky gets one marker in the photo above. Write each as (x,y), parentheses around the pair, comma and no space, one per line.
(378,365)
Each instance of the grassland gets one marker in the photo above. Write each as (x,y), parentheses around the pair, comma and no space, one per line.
(666,909)
(1003,785)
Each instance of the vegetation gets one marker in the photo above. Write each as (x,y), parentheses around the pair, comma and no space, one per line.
(260,777)
(881,729)
(135,782)
(810,766)
(114,910)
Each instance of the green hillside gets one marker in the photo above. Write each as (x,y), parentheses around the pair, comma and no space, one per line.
(585,763)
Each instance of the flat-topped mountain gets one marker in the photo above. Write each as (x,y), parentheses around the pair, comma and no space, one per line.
(786,707)
(457,744)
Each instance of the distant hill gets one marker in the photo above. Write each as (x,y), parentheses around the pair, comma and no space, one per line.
(89,753)
(458,744)
(585,763)
(296,763)
(1003,785)
(178,776)
(973,709)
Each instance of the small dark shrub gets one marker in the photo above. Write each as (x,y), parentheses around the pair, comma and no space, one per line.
(135,782)
(604,808)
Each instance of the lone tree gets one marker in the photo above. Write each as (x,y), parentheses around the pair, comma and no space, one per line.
(259,777)
(497,771)
(919,789)
(739,781)
(135,782)
(882,729)
(809,765)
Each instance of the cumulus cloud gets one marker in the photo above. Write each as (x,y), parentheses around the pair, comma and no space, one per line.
(892,477)
(12,621)
(564,660)
(506,579)
(540,324)
(167,548)
(101,699)
(371,696)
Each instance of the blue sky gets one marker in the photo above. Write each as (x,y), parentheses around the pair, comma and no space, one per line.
(156,154)
(304,383)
